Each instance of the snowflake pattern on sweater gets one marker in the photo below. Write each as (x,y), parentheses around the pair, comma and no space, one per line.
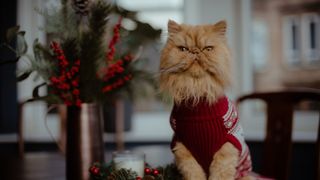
(204,128)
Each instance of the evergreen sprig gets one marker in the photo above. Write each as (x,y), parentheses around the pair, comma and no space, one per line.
(92,52)
(122,174)
(170,172)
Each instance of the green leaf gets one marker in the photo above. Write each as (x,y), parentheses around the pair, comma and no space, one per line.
(22,45)
(24,76)
(11,33)
(35,92)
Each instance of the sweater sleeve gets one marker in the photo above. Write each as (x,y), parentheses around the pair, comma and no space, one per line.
(235,131)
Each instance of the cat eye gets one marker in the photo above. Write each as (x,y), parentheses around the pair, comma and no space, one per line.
(208,48)
(182,48)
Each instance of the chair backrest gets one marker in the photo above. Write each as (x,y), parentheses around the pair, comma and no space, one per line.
(278,141)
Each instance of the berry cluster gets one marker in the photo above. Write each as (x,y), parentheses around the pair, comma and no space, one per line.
(115,75)
(65,83)
(114,40)
(149,172)
(100,171)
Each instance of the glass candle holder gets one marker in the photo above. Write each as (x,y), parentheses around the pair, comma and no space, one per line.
(129,160)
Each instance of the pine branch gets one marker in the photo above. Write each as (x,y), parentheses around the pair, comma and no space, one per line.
(64,12)
(92,51)
(122,174)
(60,21)
(71,49)
(170,172)
(98,20)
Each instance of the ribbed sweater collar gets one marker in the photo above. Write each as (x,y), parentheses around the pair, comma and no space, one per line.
(202,110)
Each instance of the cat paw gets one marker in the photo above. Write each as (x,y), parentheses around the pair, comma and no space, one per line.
(195,177)
(187,165)
(211,177)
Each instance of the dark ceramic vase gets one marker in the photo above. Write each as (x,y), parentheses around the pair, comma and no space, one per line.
(84,140)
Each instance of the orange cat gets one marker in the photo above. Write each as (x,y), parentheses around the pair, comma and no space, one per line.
(195,70)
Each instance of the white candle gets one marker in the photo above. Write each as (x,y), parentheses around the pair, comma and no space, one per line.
(129,160)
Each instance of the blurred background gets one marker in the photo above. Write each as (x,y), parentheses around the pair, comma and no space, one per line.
(275,44)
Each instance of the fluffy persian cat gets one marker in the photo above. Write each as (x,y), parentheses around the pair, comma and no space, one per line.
(195,62)
(208,141)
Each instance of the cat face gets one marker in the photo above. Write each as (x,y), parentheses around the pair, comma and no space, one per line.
(195,62)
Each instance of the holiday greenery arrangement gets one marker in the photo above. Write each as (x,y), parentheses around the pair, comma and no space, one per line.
(106,171)
(91,56)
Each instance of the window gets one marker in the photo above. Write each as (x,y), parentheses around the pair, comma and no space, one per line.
(301,34)
(310,35)
(291,31)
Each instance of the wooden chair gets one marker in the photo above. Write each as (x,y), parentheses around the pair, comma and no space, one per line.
(278,141)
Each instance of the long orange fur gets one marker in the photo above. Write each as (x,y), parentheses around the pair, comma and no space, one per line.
(195,63)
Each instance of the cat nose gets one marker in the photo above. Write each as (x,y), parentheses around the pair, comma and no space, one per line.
(195,51)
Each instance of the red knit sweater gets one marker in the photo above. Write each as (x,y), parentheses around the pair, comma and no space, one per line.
(204,128)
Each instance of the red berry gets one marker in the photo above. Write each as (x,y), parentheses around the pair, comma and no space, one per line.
(76,92)
(147,170)
(95,171)
(107,88)
(110,56)
(155,172)
(78,102)
(75,83)
(138,178)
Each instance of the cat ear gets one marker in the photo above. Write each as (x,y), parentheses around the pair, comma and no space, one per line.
(173,27)
(220,27)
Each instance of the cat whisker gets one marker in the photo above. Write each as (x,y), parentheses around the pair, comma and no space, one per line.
(176,68)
